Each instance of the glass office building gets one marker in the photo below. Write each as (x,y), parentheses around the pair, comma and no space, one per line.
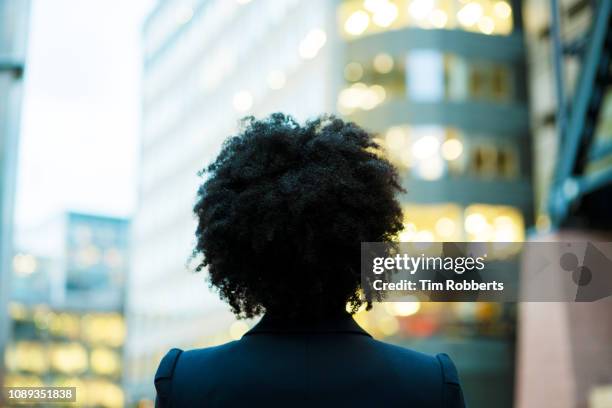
(207,64)
(442,83)
(66,309)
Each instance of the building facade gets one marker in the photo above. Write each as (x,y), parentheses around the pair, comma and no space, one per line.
(442,83)
(208,64)
(13,31)
(67,304)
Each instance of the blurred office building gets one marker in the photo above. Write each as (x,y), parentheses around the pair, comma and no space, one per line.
(443,85)
(207,64)
(66,307)
(13,31)
(569,46)
(441,82)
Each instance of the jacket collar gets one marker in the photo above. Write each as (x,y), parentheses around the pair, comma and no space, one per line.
(342,323)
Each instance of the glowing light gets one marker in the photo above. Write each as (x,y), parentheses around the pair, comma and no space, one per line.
(431,169)
(406,158)
(237,329)
(502,9)
(395,138)
(408,233)
(452,149)
(353,71)
(383,63)
(403,308)
(105,361)
(420,9)
(351,97)
(243,101)
(361,96)
(505,230)
(24,264)
(380,93)
(183,14)
(475,223)
(243,1)
(374,5)
(445,227)
(276,79)
(438,18)
(424,236)
(385,14)
(486,25)
(312,43)
(357,22)
(425,147)
(470,14)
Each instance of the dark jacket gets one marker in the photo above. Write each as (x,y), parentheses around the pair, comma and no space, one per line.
(331,363)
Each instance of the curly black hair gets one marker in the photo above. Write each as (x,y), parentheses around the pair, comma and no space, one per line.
(283,211)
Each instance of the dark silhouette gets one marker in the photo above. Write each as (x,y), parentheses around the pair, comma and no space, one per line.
(281,216)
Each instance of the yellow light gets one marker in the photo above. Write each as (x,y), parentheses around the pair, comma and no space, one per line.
(403,308)
(351,97)
(486,25)
(237,329)
(385,15)
(470,14)
(24,264)
(452,149)
(276,79)
(438,18)
(475,223)
(374,5)
(17,311)
(502,9)
(395,138)
(445,227)
(353,71)
(312,43)
(420,9)
(357,22)
(383,63)
(408,233)
(69,358)
(406,158)
(425,147)
(424,236)
(243,101)
(105,361)
(104,328)
(379,92)
(505,229)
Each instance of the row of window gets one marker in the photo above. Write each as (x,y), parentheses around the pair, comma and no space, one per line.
(433,152)
(363,17)
(452,223)
(424,75)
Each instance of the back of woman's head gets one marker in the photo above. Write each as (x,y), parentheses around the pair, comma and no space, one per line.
(283,211)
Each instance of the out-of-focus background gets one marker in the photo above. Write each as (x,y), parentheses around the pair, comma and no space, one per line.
(108,110)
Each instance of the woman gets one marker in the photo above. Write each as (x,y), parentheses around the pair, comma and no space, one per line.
(281,217)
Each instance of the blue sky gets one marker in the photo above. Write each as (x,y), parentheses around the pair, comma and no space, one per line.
(81,112)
